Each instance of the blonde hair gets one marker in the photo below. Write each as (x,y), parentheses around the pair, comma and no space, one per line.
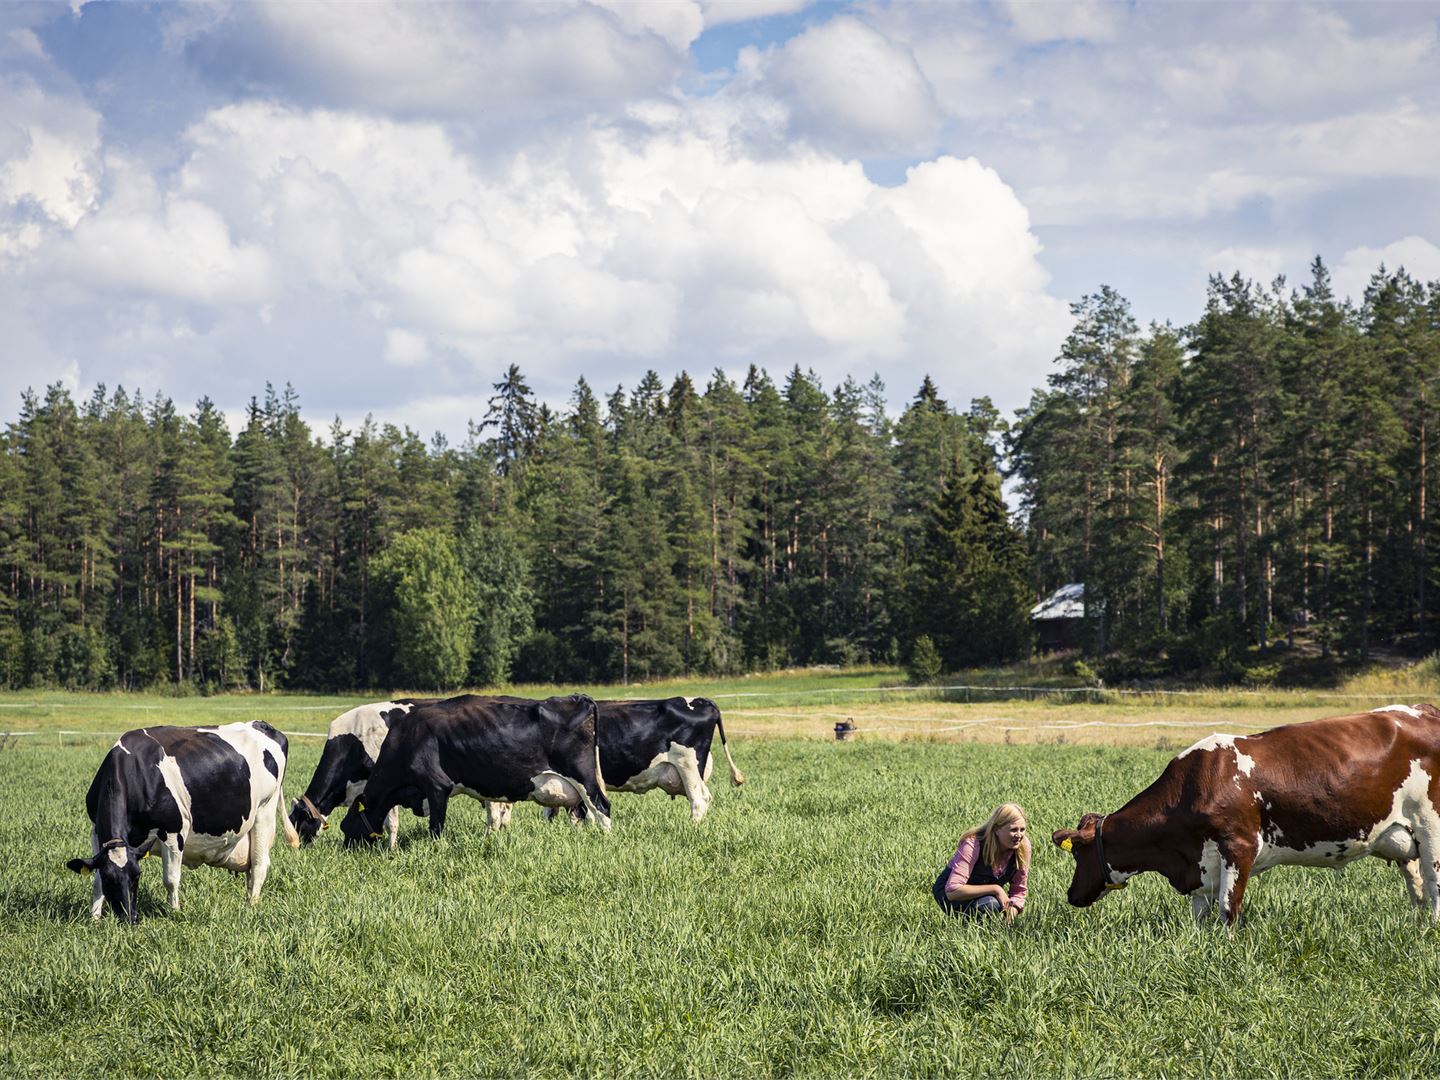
(1004,814)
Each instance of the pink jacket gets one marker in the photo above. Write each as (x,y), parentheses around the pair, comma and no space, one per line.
(963,862)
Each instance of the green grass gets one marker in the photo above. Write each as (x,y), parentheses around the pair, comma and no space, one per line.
(792,933)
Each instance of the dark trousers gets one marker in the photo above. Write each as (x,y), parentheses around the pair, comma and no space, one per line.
(970,909)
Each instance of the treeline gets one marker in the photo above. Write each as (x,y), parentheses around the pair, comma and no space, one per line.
(659,531)
(1266,475)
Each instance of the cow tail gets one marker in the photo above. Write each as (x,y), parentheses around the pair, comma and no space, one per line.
(736,776)
(599,776)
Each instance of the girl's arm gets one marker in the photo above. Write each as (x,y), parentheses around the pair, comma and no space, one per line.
(961,863)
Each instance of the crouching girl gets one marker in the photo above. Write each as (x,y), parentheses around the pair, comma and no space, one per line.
(987,873)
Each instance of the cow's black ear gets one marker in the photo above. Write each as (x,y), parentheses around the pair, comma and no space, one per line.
(81,866)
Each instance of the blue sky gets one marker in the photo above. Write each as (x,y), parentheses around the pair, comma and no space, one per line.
(387,204)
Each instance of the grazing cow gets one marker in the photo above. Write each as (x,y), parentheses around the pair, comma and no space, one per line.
(494,749)
(1322,793)
(351,747)
(202,795)
(646,745)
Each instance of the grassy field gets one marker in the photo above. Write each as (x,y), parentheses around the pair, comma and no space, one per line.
(792,933)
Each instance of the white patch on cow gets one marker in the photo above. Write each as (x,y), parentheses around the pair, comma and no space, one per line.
(245,849)
(352,792)
(1408,710)
(367,724)
(690,703)
(1400,836)
(675,772)
(497,815)
(1244,763)
(1210,742)
(1209,871)
(549,788)
(118,855)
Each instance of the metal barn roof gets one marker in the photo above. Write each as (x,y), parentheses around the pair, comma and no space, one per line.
(1066,602)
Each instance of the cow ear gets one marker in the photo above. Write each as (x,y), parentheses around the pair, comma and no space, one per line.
(81,866)
(1066,839)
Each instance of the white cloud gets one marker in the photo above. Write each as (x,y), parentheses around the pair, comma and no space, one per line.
(452,59)
(404,348)
(1259,264)
(1419,257)
(720,12)
(851,88)
(145,243)
(370,257)
(1060,20)
(48,153)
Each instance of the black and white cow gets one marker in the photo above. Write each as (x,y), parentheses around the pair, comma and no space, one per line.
(206,795)
(351,746)
(645,745)
(494,749)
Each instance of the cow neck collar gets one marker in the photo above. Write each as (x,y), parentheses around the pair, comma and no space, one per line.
(359,808)
(1100,851)
(109,844)
(315,812)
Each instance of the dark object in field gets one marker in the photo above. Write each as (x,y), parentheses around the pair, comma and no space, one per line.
(844,730)
(1322,793)
(201,795)
(663,744)
(496,749)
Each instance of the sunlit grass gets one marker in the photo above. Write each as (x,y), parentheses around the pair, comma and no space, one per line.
(790,933)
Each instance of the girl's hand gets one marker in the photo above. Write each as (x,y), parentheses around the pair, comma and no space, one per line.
(1001,895)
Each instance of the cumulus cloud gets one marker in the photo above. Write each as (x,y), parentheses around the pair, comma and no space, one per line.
(480,61)
(48,155)
(1036,21)
(1419,257)
(377,256)
(851,88)
(1259,264)
(720,12)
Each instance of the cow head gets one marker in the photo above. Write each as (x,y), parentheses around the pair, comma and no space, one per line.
(359,826)
(307,819)
(118,865)
(1091,875)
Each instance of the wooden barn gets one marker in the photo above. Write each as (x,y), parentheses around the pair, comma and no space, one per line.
(1057,618)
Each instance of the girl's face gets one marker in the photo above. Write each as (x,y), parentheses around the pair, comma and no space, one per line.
(1010,834)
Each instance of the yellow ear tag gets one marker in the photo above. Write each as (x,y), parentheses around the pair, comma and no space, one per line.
(374,836)
(88,871)
(324,825)
(359,806)
(146,855)
(1066,845)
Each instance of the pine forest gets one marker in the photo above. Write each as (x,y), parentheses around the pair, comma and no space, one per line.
(1254,486)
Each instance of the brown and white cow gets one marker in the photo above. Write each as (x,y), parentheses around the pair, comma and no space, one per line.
(1322,793)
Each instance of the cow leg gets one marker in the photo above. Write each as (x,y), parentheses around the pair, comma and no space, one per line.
(392,826)
(1414,886)
(497,815)
(683,759)
(1200,904)
(1429,861)
(439,804)
(262,837)
(171,863)
(1234,876)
